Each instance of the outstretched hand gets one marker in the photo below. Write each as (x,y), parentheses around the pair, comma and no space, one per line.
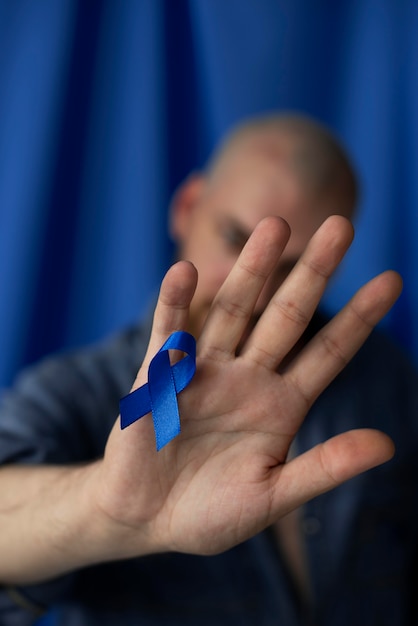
(226,477)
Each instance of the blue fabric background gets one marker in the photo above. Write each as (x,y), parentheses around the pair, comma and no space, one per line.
(106,105)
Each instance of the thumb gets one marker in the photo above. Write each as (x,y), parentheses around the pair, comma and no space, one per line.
(329,464)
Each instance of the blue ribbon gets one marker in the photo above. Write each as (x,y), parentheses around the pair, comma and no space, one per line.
(159,395)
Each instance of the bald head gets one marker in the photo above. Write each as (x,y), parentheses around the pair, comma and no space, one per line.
(302,146)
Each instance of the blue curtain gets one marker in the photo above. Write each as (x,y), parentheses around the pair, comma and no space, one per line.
(105,106)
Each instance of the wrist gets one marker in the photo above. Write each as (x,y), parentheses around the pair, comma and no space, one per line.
(114,533)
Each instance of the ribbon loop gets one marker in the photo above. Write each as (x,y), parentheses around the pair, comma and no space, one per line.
(159,395)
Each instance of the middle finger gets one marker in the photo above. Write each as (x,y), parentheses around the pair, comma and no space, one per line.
(291,308)
(236,299)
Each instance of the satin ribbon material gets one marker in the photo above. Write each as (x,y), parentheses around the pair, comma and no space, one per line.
(159,395)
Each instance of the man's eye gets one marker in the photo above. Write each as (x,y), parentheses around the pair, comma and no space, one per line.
(233,238)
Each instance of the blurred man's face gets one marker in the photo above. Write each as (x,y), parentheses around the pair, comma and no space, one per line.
(212,229)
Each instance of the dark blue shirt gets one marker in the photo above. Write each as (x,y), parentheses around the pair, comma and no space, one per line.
(361,538)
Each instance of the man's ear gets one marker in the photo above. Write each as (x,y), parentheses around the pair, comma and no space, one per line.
(182,204)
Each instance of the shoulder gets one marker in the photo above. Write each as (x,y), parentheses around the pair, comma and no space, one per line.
(62,408)
(377,389)
(385,365)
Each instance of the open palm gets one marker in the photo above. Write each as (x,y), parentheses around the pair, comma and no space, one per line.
(226,477)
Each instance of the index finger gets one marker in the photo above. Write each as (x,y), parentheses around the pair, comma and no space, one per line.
(233,305)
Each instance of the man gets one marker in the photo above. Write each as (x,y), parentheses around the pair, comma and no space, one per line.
(97,523)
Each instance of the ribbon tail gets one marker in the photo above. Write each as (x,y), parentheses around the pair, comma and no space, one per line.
(162,391)
(134,406)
